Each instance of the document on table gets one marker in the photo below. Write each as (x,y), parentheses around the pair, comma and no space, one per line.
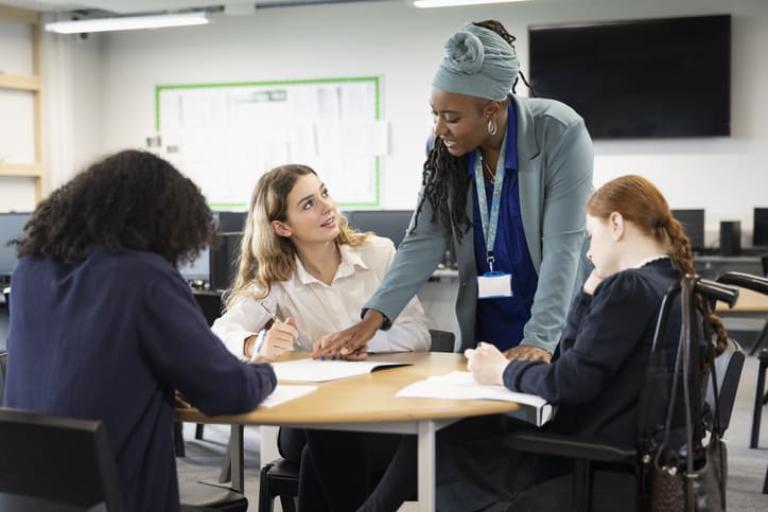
(284,393)
(462,386)
(313,370)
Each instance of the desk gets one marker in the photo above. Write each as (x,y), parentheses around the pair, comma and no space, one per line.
(750,302)
(368,404)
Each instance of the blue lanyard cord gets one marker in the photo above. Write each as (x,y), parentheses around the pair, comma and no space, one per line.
(490,222)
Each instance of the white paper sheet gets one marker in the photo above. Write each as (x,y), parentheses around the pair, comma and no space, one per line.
(284,393)
(462,386)
(312,370)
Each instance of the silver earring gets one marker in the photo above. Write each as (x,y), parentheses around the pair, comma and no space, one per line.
(492,127)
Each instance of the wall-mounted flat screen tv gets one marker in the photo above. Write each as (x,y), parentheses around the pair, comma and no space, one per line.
(651,78)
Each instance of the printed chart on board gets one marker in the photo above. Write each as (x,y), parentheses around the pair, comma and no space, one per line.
(224,136)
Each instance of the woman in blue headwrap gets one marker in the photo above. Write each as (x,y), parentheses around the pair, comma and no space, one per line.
(506,180)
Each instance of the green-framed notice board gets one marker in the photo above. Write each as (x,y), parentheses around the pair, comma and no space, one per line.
(225,135)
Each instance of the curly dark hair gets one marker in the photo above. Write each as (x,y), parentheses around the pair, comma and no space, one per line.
(444,179)
(132,200)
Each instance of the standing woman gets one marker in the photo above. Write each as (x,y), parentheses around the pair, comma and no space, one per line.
(506,179)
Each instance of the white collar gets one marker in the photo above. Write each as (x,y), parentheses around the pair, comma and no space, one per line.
(651,260)
(350,258)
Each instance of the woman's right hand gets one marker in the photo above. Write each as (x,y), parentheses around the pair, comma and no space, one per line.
(279,339)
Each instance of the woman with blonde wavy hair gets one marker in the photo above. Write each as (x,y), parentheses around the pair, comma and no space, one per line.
(301,263)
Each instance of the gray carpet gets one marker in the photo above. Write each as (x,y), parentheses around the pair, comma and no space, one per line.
(746,467)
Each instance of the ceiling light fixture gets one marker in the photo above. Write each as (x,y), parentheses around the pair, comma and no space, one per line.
(427,4)
(127,23)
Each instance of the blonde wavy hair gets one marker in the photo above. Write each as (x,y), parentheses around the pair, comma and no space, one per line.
(266,258)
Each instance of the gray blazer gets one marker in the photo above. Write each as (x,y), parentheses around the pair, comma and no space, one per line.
(555,179)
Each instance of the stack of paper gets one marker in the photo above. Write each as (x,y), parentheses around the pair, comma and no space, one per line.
(313,370)
(462,386)
(283,393)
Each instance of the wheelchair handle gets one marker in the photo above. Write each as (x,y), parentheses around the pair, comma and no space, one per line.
(755,283)
(717,291)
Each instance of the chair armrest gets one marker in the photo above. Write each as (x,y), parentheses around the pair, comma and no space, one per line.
(562,446)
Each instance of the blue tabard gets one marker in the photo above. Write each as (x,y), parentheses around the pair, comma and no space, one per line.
(500,320)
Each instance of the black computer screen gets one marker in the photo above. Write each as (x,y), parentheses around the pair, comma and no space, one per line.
(760,228)
(693,223)
(638,78)
(198,270)
(11,228)
(230,222)
(386,223)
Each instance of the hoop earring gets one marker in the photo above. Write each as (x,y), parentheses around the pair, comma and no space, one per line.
(492,127)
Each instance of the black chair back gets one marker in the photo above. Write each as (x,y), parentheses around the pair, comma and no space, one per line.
(64,461)
(442,341)
(728,366)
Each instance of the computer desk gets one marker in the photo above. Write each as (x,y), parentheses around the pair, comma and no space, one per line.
(750,302)
(368,404)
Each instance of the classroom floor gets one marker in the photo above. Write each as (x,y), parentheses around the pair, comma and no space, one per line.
(746,467)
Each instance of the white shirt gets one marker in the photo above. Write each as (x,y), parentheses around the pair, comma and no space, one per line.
(321,309)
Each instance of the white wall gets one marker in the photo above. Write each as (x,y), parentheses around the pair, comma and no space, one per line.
(72,134)
(727,176)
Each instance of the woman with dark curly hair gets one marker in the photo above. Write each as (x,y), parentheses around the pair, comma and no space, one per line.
(103,326)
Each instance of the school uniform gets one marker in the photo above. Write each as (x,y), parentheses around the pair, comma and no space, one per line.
(595,383)
(110,338)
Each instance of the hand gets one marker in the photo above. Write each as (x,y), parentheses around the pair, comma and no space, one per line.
(526,353)
(593,280)
(279,340)
(350,342)
(486,363)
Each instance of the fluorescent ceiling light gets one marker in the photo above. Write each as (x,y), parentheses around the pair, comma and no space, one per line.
(426,4)
(127,23)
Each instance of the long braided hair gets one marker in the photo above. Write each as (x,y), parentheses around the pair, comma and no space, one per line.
(640,202)
(444,178)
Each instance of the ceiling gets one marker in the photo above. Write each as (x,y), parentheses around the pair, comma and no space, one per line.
(145,6)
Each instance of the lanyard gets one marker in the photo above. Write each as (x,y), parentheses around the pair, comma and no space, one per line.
(490,222)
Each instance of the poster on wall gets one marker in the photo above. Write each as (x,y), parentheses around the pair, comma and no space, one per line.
(225,136)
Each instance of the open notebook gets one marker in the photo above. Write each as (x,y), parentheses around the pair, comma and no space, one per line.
(462,386)
(313,370)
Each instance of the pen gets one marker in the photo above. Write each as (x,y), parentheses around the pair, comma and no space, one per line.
(273,316)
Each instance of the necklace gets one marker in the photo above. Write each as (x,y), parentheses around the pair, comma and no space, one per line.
(488,172)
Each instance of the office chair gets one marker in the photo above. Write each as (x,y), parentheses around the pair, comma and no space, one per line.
(442,341)
(53,463)
(625,461)
(280,478)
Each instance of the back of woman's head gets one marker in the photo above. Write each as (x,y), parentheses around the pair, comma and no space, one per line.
(132,200)
(640,202)
(265,257)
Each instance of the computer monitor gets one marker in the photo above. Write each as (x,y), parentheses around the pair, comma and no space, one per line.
(198,270)
(693,223)
(760,228)
(390,224)
(11,228)
(230,222)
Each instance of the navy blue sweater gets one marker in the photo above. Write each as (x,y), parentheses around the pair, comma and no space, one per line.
(604,351)
(111,338)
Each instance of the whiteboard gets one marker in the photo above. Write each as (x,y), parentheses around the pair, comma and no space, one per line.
(224,136)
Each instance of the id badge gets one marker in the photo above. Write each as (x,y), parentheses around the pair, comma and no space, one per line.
(494,285)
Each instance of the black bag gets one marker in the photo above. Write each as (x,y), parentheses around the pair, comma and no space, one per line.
(683,476)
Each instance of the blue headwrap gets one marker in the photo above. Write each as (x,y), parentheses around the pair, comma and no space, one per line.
(478,62)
